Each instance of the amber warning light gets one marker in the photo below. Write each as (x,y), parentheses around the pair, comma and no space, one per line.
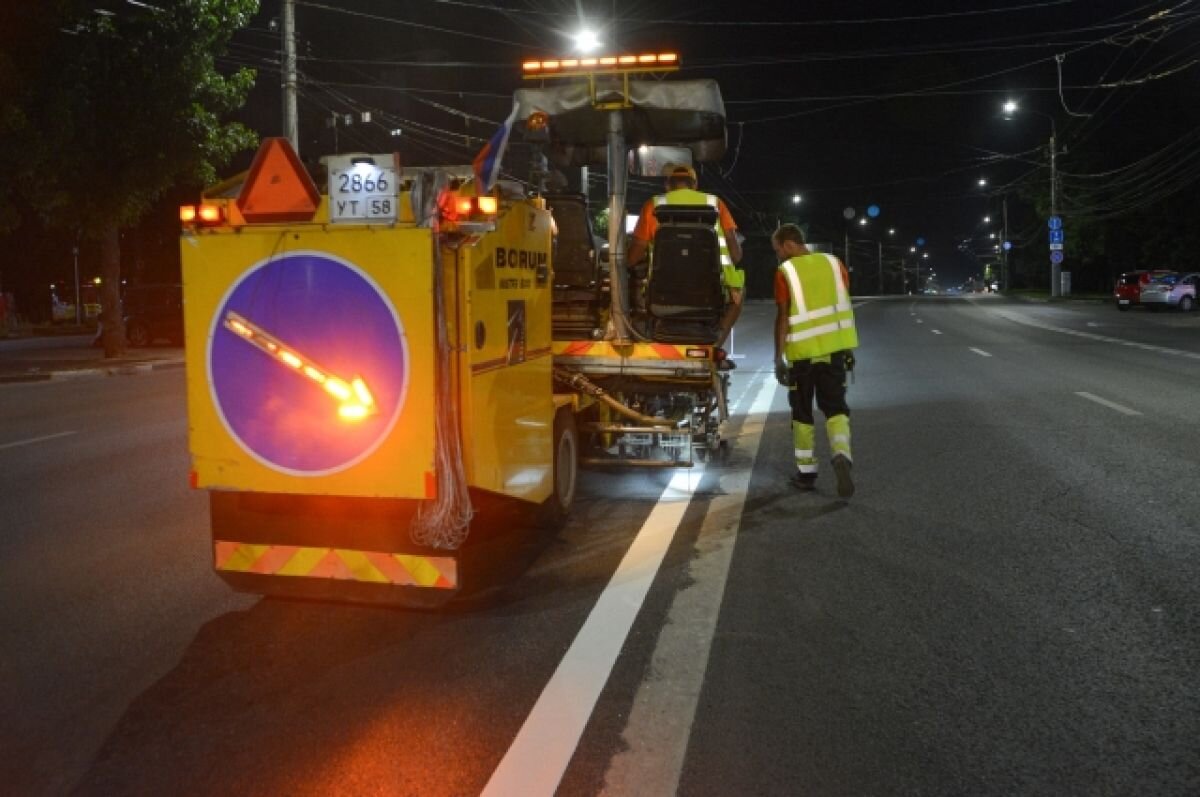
(355,401)
(646,62)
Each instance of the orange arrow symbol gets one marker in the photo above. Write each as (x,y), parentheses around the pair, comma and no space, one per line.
(355,400)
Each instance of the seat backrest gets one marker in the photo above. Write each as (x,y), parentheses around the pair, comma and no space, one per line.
(576,264)
(685,270)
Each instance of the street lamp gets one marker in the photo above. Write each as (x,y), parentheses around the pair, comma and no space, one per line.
(797,199)
(1010,109)
(586,40)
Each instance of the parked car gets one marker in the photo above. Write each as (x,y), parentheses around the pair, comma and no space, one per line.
(153,312)
(1128,290)
(1172,290)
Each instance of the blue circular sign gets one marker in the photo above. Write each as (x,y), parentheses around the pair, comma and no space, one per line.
(920,242)
(1007,245)
(872,210)
(308,363)
(1056,256)
(1054,222)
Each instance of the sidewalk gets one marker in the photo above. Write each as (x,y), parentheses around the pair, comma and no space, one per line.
(74,357)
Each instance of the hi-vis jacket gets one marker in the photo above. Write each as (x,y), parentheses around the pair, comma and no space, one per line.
(820,321)
(733,276)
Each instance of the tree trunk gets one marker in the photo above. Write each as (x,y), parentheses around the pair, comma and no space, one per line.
(111,316)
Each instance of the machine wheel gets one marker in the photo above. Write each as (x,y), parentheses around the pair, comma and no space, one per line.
(566,470)
(1185,304)
(1123,307)
(137,335)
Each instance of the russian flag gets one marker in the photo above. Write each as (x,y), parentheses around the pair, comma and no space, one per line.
(487,162)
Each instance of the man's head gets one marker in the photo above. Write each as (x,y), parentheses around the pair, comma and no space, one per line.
(788,242)
(680,176)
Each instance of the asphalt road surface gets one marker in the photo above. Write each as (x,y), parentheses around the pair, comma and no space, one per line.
(1010,604)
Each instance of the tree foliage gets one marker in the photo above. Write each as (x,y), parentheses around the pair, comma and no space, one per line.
(112,110)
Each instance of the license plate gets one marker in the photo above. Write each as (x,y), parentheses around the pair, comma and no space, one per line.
(362,189)
(1122,301)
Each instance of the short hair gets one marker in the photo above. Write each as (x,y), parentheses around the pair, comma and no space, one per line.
(788,232)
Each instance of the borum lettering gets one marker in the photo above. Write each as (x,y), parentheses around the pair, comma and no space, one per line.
(519,258)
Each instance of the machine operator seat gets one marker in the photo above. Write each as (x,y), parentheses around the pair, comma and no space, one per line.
(684,293)
(578,284)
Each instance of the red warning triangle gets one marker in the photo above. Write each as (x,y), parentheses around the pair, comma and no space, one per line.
(277,187)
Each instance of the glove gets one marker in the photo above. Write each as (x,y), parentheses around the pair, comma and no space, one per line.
(783,375)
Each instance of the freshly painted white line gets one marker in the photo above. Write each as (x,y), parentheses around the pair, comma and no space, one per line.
(660,723)
(936,331)
(535,763)
(31,440)
(980,352)
(1112,405)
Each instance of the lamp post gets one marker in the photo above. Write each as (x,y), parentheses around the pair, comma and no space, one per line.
(1010,109)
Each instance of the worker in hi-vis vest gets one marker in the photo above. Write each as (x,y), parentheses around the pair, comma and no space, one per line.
(681,190)
(814,338)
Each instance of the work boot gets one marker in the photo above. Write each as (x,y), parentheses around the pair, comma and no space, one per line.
(841,468)
(805,482)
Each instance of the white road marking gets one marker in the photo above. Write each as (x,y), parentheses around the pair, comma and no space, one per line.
(919,321)
(32,440)
(1112,405)
(980,352)
(535,763)
(1020,319)
(660,723)
(936,331)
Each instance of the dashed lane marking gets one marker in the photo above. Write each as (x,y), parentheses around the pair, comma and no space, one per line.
(33,440)
(1112,405)
(980,352)
(936,331)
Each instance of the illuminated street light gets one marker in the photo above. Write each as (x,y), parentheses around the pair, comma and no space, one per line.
(987,219)
(862,222)
(796,199)
(982,182)
(912,248)
(892,231)
(1010,108)
(586,40)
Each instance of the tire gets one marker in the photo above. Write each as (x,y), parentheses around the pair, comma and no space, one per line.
(566,471)
(1123,307)
(1186,303)
(137,335)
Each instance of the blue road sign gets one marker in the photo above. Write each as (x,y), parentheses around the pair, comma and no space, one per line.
(1007,245)
(1056,236)
(1056,256)
(920,242)
(1054,222)
(873,210)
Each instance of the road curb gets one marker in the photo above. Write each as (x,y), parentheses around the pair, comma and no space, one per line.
(127,369)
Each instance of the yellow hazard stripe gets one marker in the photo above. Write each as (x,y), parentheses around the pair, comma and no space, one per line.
(439,572)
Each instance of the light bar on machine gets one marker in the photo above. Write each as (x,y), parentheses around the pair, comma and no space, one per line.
(608,63)
(356,401)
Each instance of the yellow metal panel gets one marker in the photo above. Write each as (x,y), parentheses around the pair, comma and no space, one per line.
(509,396)
(283,273)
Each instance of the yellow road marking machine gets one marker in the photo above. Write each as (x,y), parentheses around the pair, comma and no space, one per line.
(376,363)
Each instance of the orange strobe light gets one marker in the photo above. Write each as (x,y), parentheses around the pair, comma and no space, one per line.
(354,398)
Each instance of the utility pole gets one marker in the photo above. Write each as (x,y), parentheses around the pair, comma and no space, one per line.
(1004,245)
(291,125)
(880,245)
(1055,268)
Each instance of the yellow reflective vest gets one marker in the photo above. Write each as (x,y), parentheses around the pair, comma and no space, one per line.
(733,276)
(820,319)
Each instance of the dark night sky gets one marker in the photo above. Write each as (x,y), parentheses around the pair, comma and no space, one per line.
(849,103)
